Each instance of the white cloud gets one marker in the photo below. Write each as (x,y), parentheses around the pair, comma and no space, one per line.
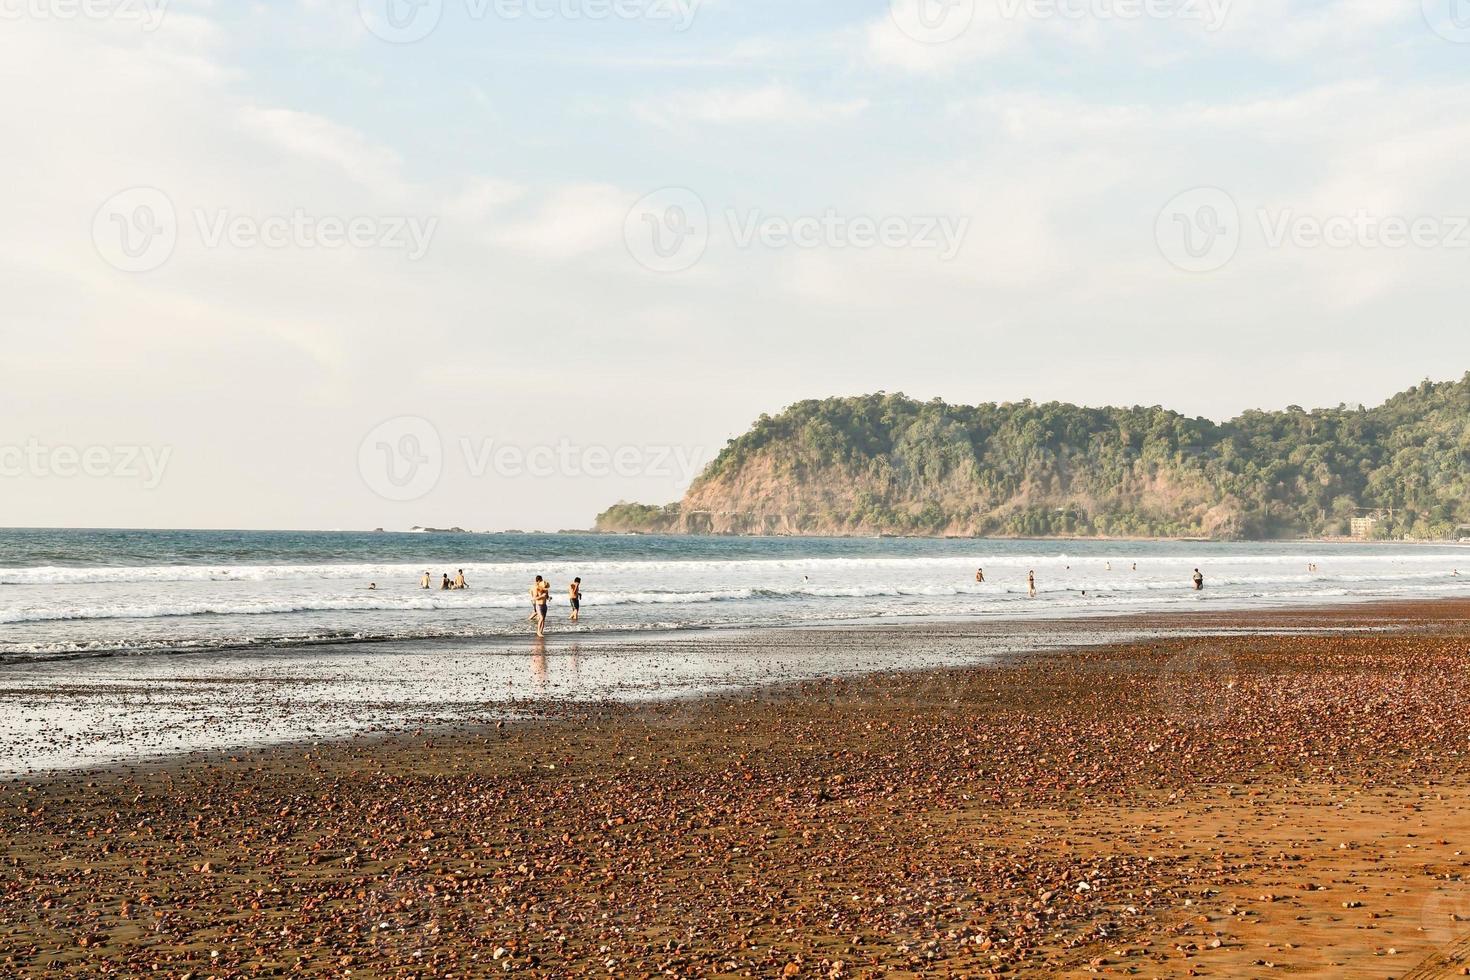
(320,140)
(1291,29)
(937,36)
(767,104)
(483,197)
(569,222)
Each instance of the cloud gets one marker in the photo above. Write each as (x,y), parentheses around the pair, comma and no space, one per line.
(929,36)
(320,140)
(938,36)
(769,104)
(1291,29)
(484,196)
(567,222)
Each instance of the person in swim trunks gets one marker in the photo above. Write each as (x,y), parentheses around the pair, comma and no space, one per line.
(535,588)
(574,596)
(540,598)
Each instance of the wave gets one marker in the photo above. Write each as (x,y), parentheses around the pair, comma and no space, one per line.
(1003,604)
(402,571)
(435,601)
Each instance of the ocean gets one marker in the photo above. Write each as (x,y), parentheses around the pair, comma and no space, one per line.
(73,594)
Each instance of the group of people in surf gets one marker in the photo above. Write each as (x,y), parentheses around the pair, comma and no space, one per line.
(1198,579)
(447,585)
(540,596)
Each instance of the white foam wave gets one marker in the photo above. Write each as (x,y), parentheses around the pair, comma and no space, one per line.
(377,602)
(56,609)
(758,567)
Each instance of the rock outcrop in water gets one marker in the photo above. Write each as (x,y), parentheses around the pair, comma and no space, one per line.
(887,464)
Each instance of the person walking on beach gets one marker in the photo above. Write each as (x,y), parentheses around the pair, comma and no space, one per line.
(574,596)
(425,582)
(1031,583)
(1199,581)
(535,590)
(540,598)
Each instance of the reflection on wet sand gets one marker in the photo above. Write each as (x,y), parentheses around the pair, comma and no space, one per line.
(539,673)
(541,664)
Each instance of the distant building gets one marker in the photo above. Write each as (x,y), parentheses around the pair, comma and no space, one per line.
(1362,527)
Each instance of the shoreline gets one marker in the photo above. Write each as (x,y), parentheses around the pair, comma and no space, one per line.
(1229,605)
(1008,537)
(156,706)
(1234,804)
(592,531)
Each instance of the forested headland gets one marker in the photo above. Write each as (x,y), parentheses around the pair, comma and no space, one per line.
(888,464)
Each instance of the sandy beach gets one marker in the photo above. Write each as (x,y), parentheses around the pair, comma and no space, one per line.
(1207,802)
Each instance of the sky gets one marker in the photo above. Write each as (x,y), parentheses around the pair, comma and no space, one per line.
(501,263)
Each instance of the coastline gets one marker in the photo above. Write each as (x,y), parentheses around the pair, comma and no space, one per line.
(146,592)
(1228,801)
(1098,538)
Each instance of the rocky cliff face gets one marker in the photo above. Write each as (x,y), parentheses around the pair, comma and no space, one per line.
(759,500)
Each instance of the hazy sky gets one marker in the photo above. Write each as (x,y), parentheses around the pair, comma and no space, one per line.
(500,263)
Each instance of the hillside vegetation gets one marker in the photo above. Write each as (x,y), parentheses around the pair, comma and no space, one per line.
(886,463)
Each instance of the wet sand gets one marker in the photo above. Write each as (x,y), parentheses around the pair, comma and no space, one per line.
(95,711)
(1231,805)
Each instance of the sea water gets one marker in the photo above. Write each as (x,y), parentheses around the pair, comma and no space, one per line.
(80,593)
